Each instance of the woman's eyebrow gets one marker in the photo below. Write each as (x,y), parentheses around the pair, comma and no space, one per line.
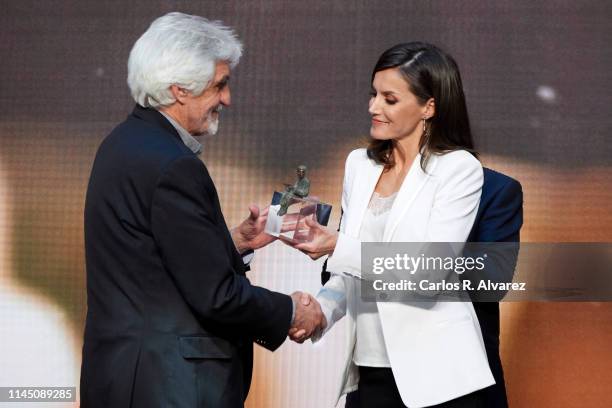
(388,93)
(384,93)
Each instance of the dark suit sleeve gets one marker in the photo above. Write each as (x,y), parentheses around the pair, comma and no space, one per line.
(503,218)
(192,238)
(501,221)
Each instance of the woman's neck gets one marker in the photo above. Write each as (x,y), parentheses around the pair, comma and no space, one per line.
(404,152)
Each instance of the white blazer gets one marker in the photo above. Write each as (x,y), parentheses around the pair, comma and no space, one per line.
(436,353)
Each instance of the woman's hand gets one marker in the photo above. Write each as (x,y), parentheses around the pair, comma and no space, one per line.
(322,242)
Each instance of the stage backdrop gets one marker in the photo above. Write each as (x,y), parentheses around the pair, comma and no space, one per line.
(539,90)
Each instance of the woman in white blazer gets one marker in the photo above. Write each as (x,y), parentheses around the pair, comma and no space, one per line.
(418,181)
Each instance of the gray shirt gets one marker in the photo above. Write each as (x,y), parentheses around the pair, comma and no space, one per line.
(189,140)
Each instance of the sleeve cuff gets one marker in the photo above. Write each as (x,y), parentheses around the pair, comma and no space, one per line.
(247,257)
(346,258)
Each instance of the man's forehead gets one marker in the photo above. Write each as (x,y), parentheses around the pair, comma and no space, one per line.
(222,70)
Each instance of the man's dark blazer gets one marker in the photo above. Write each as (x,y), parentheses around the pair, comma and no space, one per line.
(499,219)
(171,316)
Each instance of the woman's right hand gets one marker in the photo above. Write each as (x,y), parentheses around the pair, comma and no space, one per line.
(322,242)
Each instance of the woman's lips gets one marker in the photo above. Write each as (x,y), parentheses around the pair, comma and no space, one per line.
(377,122)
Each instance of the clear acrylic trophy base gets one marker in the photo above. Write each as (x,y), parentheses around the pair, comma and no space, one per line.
(291,224)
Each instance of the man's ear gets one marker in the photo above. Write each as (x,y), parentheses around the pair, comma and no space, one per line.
(179,93)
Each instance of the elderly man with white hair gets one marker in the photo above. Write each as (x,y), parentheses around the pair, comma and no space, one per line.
(171,316)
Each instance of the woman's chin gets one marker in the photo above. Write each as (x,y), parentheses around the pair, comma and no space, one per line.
(377,136)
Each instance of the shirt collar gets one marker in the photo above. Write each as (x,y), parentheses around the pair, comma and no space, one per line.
(189,140)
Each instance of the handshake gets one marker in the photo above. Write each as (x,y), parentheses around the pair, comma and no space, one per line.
(308,318)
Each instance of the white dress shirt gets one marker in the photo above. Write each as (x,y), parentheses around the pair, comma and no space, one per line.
(370,349)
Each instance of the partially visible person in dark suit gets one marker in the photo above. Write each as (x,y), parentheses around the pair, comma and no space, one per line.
(171,316)
(499,219)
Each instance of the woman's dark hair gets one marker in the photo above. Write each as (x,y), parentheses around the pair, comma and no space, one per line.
(430,73)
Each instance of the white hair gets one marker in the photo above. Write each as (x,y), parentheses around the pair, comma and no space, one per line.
(178,49)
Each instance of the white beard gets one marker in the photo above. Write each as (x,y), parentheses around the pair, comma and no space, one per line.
(213,124)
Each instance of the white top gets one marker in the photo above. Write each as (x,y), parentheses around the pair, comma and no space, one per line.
(370,350)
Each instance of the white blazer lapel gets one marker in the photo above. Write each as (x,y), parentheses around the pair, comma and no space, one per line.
(363,189)
(412,184)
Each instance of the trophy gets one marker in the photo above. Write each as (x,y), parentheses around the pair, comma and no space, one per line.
(290,209)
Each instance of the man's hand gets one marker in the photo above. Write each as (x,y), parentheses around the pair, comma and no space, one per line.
(308,319)
(250,235)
